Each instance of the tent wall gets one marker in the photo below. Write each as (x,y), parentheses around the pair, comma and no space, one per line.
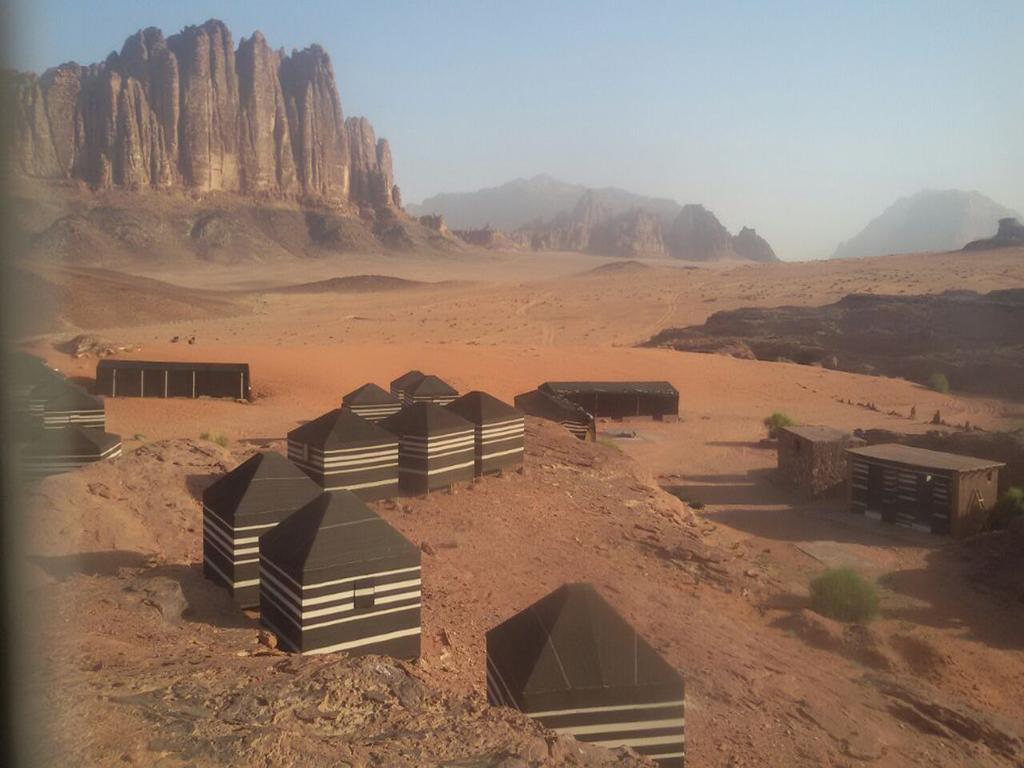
(432,461)
(132,378)
(41,464)
(499,445)
(374,411)
(913,497)
(369,471)
(604,400)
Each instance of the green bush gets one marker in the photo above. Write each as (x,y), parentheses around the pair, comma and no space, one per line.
(1011,505)
(845,595)
(938,382)
(777,420)
(215,437)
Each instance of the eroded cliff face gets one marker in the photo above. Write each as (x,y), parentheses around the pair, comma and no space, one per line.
(192,111)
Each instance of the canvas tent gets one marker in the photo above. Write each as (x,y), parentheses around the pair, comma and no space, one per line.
(61,450)
(58,403)
(430,389)
(404,382)
(142,378)
(435,447)
(342,451)
(371,402)
(335,576)
(544,405)
(574,664)
(499,431)
(619,399)
(928,490)
(240,506)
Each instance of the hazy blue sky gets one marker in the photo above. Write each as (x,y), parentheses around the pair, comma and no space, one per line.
(802,119)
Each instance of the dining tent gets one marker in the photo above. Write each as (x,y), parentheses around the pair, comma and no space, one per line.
(149,378)
(619,399)
(335,576)
(240,506)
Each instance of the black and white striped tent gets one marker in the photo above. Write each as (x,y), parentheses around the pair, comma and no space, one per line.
(404,382)
(371,402)
(544,405)
(574,664)
(336,577)
(58,403)
(61,450)
(435,447)
(430,389)
(342,451)
(149,378)
(499,434)
(30,374)
(241,506)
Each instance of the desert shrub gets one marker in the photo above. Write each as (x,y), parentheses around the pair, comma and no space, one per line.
(777,420)
(845,595)
(215,437)
(1009,506)
(938,382)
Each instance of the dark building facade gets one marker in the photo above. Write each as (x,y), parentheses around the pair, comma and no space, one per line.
(141,378)
(619,399)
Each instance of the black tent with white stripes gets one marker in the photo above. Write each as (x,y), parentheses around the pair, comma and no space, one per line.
(241,506)
(435,447)
(500,431)
(58,403)
(619,399)
(574,664)
(335,576)
(404,382)
(61,450)
(342,451)
(430,389)
(371,402)
(544,405)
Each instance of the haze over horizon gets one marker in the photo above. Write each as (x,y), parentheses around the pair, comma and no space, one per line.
(799,120)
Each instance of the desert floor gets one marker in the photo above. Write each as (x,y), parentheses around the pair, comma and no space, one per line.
(937,680)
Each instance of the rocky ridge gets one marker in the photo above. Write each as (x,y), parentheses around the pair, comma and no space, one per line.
(192,111)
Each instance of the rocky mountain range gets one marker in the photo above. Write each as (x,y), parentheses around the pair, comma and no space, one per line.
(931,220)
(694,233)
(192,111)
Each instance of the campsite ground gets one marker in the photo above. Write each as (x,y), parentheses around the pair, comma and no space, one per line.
(937,680)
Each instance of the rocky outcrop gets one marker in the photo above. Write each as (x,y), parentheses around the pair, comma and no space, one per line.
(191,111)
(1010,234)
(493,239)
(975,340)
(435,223)
(697,235)
(751,246)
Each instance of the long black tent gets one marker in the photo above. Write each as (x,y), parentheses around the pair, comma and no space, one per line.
(435,447)
(61,450)
(544,405)
(145,378)
(430,389)
(342,451)
(619,399)
(500,431)
(399,386)
(336,577)
(239,507)
(574,664)
(371,402)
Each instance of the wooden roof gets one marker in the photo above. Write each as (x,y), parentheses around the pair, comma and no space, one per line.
(922,457)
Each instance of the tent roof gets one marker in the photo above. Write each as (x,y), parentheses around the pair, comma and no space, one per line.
(340,428)
(574,640)
(407,379)
(162,365)
(425,419)
(336,528)
(549,406)
(611,387)
(817,434)
(431,385)
(60,394)
(922,457)
(369,394)
(266,482)
(480,407)
(71,439)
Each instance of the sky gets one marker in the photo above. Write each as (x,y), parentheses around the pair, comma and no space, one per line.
(803,120)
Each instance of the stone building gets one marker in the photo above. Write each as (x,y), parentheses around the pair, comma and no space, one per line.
(813,459)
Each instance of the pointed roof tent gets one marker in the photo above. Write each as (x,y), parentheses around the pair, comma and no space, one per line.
(479,407)
(431,386)
(370,394)
(72,442)
(406,380)
(59,394)
(264,485)
(335,531)
(425,419)
(574,647)
(340,428)
(28,371)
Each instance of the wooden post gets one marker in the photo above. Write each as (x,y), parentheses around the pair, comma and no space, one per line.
(193,383)
(142,382)
(113,384)
(165,383)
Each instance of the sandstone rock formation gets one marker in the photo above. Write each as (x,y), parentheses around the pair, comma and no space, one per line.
(697,235)
(494,239)
(191,111)
(1010,234)
(751,246)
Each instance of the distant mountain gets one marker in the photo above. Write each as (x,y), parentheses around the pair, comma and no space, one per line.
(523,202)
(931,220)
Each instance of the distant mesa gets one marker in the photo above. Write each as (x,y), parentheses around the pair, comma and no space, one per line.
(929,221)
(354,284)
(630,266)
(1009,235)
